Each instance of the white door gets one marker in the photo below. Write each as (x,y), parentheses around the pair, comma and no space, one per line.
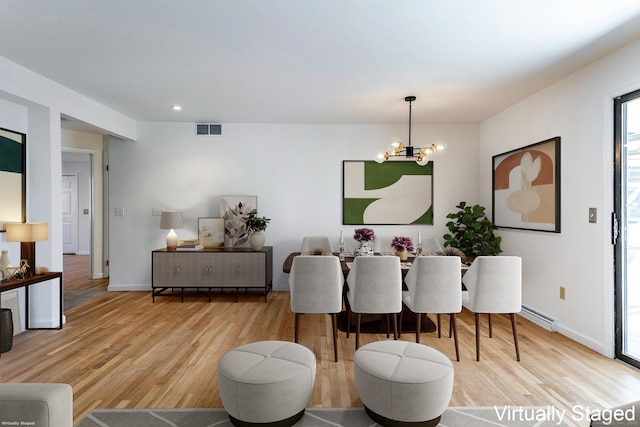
(69,214)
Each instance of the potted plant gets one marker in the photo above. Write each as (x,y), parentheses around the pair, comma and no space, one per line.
(255,227)
(472,232)
(402,246)
(364,237)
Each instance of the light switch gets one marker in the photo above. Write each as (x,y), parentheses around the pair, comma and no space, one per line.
(119,211)
(593,215)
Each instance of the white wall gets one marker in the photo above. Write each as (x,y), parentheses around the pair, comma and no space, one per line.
(295,170)
(579,109)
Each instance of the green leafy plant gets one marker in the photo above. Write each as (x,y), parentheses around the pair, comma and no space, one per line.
(472,232)
(256,223)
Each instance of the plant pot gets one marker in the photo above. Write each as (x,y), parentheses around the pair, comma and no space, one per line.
(402,254)
(256,240)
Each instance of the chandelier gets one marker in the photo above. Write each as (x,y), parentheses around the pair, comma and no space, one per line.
(398,149)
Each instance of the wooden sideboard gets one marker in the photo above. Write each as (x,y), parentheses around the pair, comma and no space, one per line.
(221,270)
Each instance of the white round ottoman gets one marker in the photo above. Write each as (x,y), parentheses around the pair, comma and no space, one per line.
(403,382)
(266,382)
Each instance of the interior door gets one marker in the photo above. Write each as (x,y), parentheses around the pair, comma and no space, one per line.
(69,214)
(626,222)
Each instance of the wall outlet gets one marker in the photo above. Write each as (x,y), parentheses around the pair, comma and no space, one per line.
(119,211)
(562,292)
(156,211)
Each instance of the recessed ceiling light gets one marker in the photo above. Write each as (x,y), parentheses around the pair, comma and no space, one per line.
(176,107)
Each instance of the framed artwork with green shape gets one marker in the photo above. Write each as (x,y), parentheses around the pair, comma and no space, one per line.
(389,193)
(12,177)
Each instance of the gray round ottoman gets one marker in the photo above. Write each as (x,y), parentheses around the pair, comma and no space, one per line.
(403,383)
(266,383)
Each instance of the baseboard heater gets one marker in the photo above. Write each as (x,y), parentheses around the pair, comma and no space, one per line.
(539,318)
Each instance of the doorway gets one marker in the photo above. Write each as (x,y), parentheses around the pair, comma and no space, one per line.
(626,234)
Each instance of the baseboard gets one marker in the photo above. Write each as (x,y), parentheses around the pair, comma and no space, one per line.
(130,287)
(582,339)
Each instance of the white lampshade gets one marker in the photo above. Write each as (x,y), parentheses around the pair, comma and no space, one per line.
(27,231)
(171,219)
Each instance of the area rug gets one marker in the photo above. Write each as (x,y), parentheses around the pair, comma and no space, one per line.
(499,416)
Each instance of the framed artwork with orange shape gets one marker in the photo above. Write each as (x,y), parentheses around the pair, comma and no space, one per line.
(526,187)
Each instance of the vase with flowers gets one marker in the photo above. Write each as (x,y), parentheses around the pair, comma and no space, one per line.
(402,246)
(364,237)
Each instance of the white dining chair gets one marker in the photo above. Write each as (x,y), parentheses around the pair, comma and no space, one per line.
(315,285)
(375,287)
(494,285)
(310,243)
(430,245)
(434,286)
(382,245)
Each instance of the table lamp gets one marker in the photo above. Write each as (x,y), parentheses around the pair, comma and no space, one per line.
(169,220)
(27,233)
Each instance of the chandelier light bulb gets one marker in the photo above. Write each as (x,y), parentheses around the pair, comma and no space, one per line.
(381,157)
(422,161)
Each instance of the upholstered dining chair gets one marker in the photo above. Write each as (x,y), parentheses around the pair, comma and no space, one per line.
(315,284)
(434,286)
(382,245)
(375,287)
(494,285)
(431,245)
(310,243)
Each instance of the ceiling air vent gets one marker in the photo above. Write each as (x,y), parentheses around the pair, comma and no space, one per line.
(208,129)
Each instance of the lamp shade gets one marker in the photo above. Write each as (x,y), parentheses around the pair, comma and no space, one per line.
(171,219)
(27,231)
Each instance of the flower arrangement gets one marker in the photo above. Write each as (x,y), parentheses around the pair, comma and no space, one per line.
(400,244)
(256,223)
(364,235)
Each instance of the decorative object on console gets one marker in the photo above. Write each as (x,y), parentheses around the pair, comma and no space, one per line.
(450,251)
(365,237)
(234,210)
(27,233)
(398,149)
(5,262)
(392,193)
(170,220)
(13,181)
(526,187)
(211,232)
(472,232)
(255,227)
(402,246)
(189,245)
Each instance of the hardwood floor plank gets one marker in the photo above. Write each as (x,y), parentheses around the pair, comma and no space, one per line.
(120,350)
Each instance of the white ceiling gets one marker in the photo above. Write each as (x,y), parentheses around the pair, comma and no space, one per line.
(306,61)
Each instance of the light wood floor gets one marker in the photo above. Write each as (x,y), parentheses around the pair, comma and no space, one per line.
(77,275)
(122,351)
